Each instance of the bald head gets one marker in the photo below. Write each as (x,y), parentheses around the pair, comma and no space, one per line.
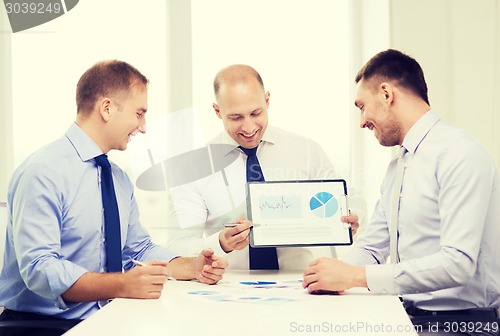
(235,74)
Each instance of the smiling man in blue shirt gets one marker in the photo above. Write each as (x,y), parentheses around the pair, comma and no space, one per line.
(55,255)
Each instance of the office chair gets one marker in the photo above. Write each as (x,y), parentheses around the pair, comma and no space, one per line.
(34,328)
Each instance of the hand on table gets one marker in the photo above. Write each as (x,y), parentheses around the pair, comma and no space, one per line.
(209,268)
(327,274)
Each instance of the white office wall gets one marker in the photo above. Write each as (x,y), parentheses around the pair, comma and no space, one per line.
(369,34)
(48,60)
(301,50)
(457,42)
(5,108)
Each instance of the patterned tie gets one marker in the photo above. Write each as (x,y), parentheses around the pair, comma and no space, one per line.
(393,225)
(111,216)
(262,258)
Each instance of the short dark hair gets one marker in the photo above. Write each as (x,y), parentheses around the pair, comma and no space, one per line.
(396,66)
(105,78)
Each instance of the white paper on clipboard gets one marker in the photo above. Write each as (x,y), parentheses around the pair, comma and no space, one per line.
(298,213)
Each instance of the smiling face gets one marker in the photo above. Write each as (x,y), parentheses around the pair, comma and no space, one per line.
(375,113)
(242,107)
(127,117)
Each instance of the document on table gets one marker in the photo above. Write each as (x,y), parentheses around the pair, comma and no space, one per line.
(266,292)
(298,213)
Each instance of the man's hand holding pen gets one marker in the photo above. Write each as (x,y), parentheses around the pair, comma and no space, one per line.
(145,282)
(234,236)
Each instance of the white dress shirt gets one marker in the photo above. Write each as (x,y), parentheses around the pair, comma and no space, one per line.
(449,223)
(199,209)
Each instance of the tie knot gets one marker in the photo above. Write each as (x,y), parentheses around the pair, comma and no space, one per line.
(249,151)
(402,152)
(102,161)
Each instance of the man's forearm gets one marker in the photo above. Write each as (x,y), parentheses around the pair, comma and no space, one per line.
(183,268)
(95,287)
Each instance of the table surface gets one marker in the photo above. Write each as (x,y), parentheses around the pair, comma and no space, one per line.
(235,307)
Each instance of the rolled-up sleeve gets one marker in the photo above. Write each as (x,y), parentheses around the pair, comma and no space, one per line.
(37,235)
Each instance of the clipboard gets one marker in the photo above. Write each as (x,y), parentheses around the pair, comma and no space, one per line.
(298,213)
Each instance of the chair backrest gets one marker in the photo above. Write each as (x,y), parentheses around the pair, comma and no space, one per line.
(35,327)
(3,229)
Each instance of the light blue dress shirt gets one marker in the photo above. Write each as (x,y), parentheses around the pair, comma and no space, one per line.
(55,230)
(449,223)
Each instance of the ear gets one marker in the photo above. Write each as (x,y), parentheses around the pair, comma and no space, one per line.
(387,92)
(103,106)
(216,109)
(268,95)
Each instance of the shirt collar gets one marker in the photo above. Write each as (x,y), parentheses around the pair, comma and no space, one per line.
(419,131)
(269,135)
(85,147)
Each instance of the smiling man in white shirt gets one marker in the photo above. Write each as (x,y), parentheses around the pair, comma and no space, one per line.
(201,208)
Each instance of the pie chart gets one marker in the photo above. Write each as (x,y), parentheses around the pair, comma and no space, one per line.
(324,204)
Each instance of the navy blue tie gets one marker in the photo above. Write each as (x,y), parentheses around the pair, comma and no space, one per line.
(111,217)
(262,258)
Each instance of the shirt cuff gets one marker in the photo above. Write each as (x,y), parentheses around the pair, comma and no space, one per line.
(61,276)
(380,279)
(213,243)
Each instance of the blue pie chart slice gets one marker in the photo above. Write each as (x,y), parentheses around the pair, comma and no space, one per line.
(314,203)
(323,204)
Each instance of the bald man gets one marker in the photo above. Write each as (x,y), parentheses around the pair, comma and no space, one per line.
(201,208)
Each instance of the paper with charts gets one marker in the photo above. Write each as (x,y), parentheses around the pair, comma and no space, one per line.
(298,213)
(255,291)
